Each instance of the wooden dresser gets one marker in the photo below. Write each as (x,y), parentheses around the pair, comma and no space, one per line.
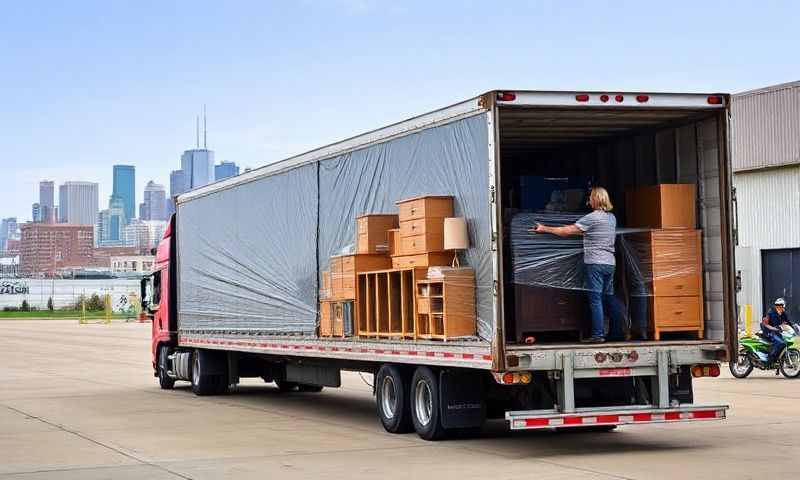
(420,240)
(670,261)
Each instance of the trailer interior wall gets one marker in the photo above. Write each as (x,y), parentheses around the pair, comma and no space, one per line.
(620,149)
(250,254)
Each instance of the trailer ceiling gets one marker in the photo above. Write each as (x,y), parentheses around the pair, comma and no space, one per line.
(541,128)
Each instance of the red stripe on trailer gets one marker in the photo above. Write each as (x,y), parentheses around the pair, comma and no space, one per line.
(704,414)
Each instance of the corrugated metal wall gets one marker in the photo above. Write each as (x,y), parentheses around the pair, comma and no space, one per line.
(768,204)
(766,127)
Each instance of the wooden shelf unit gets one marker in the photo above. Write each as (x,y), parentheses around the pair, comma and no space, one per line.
(385,302)
(446,307)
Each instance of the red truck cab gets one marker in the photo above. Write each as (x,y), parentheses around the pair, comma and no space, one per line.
(158,298)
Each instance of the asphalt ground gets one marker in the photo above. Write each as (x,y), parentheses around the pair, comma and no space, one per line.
(80,402)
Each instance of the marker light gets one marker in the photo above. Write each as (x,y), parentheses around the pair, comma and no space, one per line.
(714,100)
(582,97)
(619,98)
(642,98)
(506,96)
(604,98)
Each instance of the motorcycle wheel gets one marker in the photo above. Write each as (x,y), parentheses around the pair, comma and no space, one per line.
(790,363)
(742,366)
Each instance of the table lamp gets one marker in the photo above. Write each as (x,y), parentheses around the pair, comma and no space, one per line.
(455,237)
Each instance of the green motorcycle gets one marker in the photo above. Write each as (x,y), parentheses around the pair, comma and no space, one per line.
(754,353)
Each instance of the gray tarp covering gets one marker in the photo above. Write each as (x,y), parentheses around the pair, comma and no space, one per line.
(248,255)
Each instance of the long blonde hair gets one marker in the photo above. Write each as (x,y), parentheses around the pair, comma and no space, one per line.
(600,200)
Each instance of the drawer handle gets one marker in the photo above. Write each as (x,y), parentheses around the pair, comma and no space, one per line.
(413,227)
(679,312)
(413,210)
(563,302)
(678,287)
(411,262)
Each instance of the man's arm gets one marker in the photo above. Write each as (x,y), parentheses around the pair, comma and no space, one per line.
(765,323)
(565,231)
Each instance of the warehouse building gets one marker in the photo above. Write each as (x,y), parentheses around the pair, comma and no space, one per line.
(766,163)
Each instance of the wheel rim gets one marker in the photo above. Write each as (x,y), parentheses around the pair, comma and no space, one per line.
(196,369)
(423,402)
(742,363)
(388,397)
(791,362)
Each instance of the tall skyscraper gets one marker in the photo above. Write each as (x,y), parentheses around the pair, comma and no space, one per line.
(154,206)
(47,203)
(111,222)
(36,213)
(125,188)
(198,168)
(8,230)
(225,170)
(78,203)
(177,185)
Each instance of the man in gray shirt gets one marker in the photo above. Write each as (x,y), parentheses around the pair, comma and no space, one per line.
(598,229)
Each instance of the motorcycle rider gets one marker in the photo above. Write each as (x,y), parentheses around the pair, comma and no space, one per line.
(771,328)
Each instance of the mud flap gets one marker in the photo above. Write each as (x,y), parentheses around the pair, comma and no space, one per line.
(462,402)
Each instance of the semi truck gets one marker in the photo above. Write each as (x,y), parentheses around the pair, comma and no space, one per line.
(236,287)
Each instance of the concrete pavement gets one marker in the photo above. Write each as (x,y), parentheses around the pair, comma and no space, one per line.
(80,402)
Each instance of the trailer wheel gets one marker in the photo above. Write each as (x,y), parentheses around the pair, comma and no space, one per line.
(425,399)
(392,394)
(208,373)
(164,380)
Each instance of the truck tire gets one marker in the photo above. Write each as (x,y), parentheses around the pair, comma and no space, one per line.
(425,405)
(164,380)
(392,395)
(208,377)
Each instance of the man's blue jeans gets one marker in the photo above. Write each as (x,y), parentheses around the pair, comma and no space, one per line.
(600,286)
(777,344)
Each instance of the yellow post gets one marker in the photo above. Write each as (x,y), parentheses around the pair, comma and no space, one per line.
(83,311)
(748,319)
(107,302)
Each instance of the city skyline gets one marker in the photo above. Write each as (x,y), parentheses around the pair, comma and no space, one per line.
(281,85)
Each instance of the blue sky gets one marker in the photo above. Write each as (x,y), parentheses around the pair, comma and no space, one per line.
(85,85)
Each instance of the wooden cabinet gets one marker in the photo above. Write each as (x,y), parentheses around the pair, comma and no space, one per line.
(670,263)
(345,268)
(422,224)
(385,305)
(393,240)
(446,306)
(335,318)
(422,260)
(542,309)
(425,206)
(371,232)
(662,206)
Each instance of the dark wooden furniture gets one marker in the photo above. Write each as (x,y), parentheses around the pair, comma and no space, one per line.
(542,309)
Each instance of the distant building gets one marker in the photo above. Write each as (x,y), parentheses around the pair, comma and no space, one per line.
(47,248)
(225,170)
(8,230)
(144,234)
(47,205)
(198,168)
(125,189)
(9,267)
(101,256)
(154,206)
(78,203)
(177,185)
(12,248)
(133,264)
(110,223)
(36,213)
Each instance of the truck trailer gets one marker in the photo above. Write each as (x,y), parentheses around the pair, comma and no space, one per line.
(241,270)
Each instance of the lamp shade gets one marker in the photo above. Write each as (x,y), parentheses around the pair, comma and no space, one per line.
(455,233)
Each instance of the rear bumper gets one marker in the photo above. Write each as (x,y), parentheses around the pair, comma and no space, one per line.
(539,419)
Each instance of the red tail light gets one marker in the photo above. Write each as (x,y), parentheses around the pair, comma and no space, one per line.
(714,100)
(604,98)
(582,97)
(506,96)
(711,370)
(619,98)
(642,98)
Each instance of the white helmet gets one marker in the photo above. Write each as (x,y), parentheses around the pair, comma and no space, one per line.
(780,302)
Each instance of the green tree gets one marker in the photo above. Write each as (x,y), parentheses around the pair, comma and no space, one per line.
(25,307)
(50,305)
